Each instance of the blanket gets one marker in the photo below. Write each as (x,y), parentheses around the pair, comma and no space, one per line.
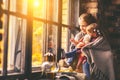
(100,58)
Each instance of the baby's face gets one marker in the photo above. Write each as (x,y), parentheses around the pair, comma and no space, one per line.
(91,33)
(91,30)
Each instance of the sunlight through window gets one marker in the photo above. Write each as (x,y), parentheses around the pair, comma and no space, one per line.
(36,3)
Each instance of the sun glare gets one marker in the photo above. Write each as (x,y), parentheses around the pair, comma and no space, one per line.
(36,3)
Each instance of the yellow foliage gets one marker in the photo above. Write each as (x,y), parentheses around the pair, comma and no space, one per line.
(36,59)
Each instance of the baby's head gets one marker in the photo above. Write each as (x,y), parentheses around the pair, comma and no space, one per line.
(93,30)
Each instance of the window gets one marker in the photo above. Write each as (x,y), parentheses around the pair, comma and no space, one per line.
(31,28)
(65,15)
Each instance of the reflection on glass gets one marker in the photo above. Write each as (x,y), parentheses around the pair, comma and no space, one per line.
(37,43)
(51,47)
(52,37)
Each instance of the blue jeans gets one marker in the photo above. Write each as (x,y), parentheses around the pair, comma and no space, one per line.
(72,53)
(85,66)
(70,56)
(86,69)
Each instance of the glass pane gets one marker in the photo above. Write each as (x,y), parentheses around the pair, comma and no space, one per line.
(39,8)
(55,11)
(65,38)
(46,9)
(16,44)
(37,43)
(18,6)
(65,14)
(5,4)
(52,38)
(52,10)
(51,46)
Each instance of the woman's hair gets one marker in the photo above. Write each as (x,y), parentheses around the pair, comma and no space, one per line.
(88,18)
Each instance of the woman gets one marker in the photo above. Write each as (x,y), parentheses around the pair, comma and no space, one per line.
(85,19)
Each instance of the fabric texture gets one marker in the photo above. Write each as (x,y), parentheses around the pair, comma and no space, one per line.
(100,58)
(86,39)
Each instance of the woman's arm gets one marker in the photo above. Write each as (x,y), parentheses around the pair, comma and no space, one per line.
(75,42)
(80,44)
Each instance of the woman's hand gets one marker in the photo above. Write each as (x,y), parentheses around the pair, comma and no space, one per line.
(72,40)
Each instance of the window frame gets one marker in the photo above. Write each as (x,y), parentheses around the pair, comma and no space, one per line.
(28,49)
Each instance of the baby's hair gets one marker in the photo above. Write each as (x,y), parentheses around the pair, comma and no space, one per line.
(93,28)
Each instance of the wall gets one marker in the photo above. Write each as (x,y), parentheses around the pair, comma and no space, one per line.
(109,19)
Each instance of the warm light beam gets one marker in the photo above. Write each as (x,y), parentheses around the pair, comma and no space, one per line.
(36,3)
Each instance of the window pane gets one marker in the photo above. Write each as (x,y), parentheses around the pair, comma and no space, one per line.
(39,7)
(65,38)
(65,8)
(52,38)
(51,46)
(37,43)
(16,43)
(55,10)
(5,4)
(46,9)
(18,6)
(52,10)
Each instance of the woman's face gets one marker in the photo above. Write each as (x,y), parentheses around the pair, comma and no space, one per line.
(83,25)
